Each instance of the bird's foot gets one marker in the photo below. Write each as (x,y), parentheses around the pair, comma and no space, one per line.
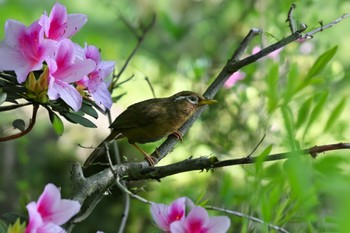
(178,135)
(151,160)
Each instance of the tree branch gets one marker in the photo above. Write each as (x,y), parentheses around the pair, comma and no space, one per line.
(140,171)
(27,130)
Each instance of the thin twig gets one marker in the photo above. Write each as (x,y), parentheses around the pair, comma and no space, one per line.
(256,147)
(125,190)
(323,27)
(116,176)
(252,218)
(150,86)
(27,130)
(244,44)
(140,39)
(290,19)
(14,106)
(91,206)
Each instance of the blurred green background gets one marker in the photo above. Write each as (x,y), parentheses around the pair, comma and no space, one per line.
(187,47)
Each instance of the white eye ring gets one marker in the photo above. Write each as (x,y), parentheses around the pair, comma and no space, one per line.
(192,99)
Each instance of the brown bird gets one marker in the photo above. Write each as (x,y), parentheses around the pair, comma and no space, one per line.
(151,120)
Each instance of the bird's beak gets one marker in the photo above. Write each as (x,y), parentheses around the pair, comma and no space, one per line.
(207,101)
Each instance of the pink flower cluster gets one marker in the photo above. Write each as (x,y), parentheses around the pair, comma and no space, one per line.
(171,218)
(50,211)
(47,42)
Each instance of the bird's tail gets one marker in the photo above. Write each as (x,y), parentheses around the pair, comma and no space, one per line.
(100,149)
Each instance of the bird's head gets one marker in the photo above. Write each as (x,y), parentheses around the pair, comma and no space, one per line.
(190,101)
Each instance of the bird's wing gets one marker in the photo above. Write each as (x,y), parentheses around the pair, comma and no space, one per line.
(139,114)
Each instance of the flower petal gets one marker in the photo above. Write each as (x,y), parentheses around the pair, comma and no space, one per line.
(219,224)
(164,215)
(159,214)
(54,209)
(197,220)
(35,220)
(65,91)
(74,23)
(65,211)
(178,227)
(102,96)
(48,201)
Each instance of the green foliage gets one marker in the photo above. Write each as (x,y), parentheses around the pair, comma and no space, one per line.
(17,227)
(321,63)
(56,122)
(19,124)
(298,100)
(77,118)
(335,113)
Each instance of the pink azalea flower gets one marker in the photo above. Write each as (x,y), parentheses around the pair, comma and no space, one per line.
(231,81)
(60,25)
(198,221)
(24,48)
(50,211)
(66,68)
(165,215)
(96,82)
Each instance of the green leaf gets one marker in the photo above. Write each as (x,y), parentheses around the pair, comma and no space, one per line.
(19,124)
(3,96)
(75,118)
(321,62)
(316,111)
(272,94)
(3,227)
(17,227)
(303,112)
(291,83)
(335,113)
(290,127)
(118,97)
(56,122)
(89,110)
(261,158)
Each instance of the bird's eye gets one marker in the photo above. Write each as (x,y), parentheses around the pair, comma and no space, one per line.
(193,99)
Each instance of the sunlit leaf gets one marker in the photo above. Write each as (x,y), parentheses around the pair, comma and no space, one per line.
(321,62)
(316,111)
(261,158)
(335,113)
(19,124)
(288,120)
(75,118)
(291,83)
(56,122)
(17,227)
(317,67)
(272,93)
(303,112)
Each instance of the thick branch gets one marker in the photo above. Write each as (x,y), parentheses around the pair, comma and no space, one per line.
(138,171)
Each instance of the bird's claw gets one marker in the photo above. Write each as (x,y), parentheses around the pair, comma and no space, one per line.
(178,135)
